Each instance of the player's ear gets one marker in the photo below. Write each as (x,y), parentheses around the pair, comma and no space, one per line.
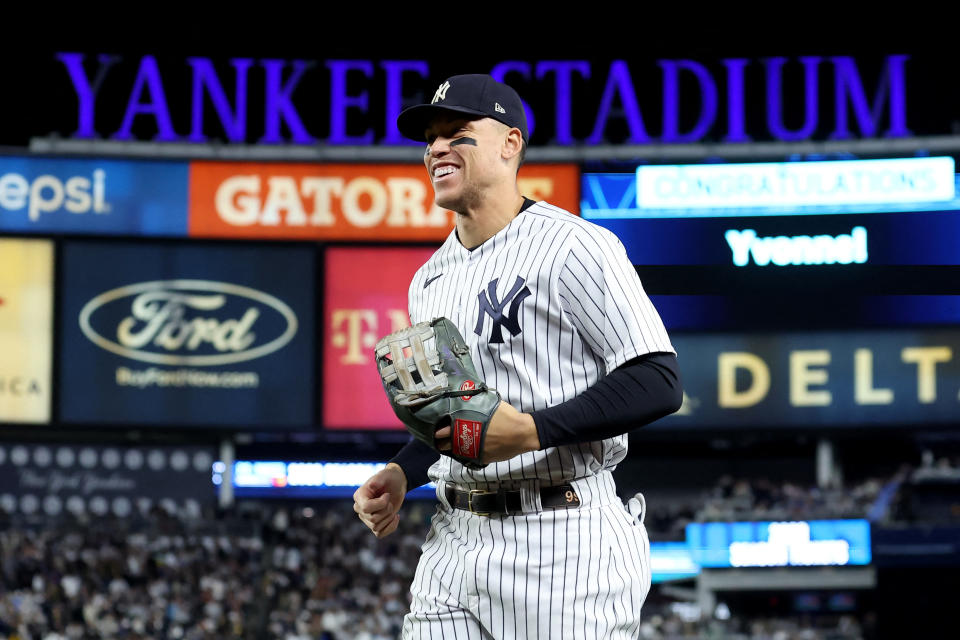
(512,144)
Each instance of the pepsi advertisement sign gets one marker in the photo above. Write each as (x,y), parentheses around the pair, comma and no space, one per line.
(93,196)
(187,336)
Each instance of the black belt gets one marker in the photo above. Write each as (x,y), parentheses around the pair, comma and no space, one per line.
(509,503)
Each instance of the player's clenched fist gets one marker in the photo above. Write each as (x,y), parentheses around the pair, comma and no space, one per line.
(378,501)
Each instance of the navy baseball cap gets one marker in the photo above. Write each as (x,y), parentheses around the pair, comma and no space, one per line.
(473,94)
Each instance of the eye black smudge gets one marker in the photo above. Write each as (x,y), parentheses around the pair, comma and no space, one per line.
(463,141)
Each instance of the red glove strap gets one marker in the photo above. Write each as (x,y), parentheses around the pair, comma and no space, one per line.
(466,438)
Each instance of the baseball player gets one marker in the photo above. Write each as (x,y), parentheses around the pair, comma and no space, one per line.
(536,543)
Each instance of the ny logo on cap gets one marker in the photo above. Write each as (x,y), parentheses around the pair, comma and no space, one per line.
(441,93)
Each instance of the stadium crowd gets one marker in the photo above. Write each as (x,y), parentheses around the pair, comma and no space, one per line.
(292,575)
(664,625)
(299,572)
(759,499)
(762,499)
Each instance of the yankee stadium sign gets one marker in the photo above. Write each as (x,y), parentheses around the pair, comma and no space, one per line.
(568,102)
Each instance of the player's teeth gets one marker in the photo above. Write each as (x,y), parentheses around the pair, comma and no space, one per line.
(442,171)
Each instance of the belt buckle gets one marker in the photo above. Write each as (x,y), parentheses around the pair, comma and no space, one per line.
(470,501)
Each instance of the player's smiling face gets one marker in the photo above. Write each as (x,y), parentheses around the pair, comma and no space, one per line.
(462,158)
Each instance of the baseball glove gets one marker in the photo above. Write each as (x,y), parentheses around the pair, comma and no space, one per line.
(431,383)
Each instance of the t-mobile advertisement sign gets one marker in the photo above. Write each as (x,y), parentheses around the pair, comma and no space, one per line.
(366,299)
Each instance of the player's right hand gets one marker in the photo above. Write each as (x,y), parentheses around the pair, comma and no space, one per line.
(378,501)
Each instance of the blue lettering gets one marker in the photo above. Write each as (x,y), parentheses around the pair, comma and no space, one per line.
(563,71)
(148,78)
(205,78)
(898,97)
(619,83)
(340,101)
(775,99)
(736,128)
(279,107)
(671,101)
(351,82)
(86,90)
(849,87)
(395,104)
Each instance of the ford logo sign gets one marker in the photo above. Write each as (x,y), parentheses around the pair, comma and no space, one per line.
(188,322)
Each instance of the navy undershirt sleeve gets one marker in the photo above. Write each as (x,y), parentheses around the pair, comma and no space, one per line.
(415,458)
(638,392)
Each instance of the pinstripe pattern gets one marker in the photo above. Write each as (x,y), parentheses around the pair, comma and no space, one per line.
(578,573)
(587,314)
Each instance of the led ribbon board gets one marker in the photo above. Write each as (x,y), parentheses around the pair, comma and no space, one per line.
(780,544)
(280,479)
(672,561)
(893,211)
(795,184)
(768,188)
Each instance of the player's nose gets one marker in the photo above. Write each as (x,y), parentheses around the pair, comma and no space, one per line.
(439,147)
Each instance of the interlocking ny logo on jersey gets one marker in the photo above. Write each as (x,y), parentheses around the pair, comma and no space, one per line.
(489,305)
(441,93)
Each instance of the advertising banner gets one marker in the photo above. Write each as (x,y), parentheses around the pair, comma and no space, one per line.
(672,561)
(780,544)
(903,211)
(365,300)
(340,202)
(315,479)
(93,196)
(97,480)
(26,329)
(187,335)
(826,379)
(810,187)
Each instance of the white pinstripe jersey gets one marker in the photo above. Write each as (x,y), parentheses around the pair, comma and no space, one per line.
(549,305)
